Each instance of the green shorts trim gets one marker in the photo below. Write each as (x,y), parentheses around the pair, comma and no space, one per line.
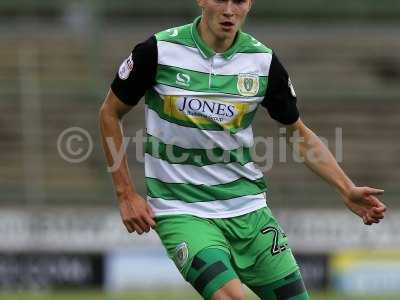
(290,287)
(210,270)
(257,246)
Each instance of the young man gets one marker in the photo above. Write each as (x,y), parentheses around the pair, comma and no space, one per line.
(203,83)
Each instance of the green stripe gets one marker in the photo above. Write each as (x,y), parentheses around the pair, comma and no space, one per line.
(184,36)
(156,103)
(203,193)
(197,157)
(199,82)
(248,45)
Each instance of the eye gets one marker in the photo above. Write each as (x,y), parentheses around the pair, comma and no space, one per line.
(237,2)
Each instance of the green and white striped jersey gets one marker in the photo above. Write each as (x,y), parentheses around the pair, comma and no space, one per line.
(199,109)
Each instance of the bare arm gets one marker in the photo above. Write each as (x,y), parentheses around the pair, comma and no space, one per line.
(135,212)
(362,201)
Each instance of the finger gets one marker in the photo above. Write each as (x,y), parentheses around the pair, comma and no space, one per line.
(142,224)
(376,192)
(149,220)
(374,201)
(374,214)
(150,217)
(367,220)
(375,221)
(138,229)
(380,209)
(379,212)
(147,226)
(372,219)
(150,211)
(376,218)
(370,222)
(379,217)
(129,227)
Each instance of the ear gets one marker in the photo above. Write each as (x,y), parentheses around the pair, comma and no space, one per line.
(251,4)
(200,3)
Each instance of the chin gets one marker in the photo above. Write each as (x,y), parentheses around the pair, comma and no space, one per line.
(226,35)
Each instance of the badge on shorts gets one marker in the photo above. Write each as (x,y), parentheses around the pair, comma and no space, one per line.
(248,84)
(181,254)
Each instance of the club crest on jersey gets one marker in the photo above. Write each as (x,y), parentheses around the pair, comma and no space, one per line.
(126,68)
(181,254)
(248,84)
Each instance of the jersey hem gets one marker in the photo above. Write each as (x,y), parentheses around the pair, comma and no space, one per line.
(217,215)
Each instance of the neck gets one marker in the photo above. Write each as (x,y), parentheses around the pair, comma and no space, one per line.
(217,44)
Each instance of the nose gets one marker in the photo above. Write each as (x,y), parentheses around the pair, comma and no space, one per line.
(229,9)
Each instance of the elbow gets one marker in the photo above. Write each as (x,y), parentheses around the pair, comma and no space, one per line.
(102,109)
(102,113)
(102,118)
(106,115)
(112,108)
(106,112)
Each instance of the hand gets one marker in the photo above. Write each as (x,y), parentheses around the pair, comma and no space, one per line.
(136,214)
(364,203)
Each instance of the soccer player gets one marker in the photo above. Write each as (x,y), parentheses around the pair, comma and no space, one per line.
(206,199)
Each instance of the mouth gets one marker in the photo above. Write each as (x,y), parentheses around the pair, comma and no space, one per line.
(227,25)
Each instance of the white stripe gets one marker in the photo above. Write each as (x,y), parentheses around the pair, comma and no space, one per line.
(188,58)
(213,209)
(208,175)
(194,138)
(162,89)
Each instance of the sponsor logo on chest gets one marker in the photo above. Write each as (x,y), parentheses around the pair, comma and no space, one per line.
(205,111)
(206,108)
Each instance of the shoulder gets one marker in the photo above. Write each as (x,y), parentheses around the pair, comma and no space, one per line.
(144,53)
(147,45)
(178,35)
(249,44)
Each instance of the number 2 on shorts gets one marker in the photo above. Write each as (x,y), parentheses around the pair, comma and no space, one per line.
(275,249)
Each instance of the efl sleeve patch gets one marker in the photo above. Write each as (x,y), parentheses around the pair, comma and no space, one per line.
(126,68)
(280,98)
(136,73)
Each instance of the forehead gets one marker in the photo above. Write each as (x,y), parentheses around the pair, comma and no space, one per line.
(225,1)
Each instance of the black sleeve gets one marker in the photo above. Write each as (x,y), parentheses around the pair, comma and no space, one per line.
(137,73)
(280,98)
